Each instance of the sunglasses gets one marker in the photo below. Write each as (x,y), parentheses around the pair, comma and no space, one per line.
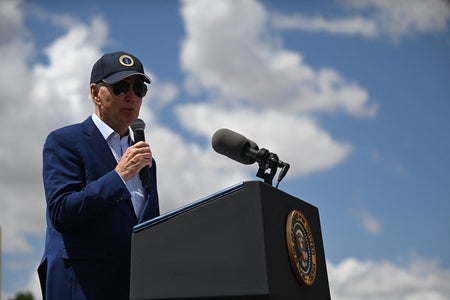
(122,87)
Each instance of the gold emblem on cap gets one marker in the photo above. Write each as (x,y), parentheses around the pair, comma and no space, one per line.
(301,248)
(126,60)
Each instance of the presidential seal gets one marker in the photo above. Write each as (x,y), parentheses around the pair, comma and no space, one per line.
(301,248)
(126,60)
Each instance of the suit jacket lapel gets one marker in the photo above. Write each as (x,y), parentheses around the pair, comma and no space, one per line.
(95,139)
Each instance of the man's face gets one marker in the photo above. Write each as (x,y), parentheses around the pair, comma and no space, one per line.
(118,111)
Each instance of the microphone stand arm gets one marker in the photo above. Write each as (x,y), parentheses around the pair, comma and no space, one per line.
(268,164)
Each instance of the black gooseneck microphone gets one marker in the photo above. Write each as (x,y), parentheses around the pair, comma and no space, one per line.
(234,146)
(138,127)
(243,150)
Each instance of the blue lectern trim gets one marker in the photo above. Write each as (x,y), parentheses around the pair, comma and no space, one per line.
(187,207)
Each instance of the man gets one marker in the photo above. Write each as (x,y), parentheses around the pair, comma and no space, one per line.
(93,191)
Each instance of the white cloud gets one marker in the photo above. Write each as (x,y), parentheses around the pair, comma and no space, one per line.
(34,286)
(395,19)
(310,149)
(54,96)
(62,83)
(11,19)
(407,17)
(350,26)
(194,170)
(232,55)
(162,94)
(18,159)
(259,89)
(30,285)
(369,222)
(352,279)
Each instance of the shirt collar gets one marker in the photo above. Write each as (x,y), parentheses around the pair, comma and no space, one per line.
(104,128)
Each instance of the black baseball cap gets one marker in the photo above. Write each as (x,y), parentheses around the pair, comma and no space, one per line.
(115,66)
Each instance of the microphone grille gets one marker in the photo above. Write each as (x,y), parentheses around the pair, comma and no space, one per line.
(232,145)
(137,124)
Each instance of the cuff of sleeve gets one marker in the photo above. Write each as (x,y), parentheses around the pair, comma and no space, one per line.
(120,177)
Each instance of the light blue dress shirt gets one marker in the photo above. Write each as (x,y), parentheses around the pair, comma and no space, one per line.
(118,147)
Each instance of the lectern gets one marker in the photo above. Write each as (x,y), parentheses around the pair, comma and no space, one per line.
(249,241)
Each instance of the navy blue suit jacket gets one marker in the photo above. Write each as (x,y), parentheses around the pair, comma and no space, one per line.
(90,217)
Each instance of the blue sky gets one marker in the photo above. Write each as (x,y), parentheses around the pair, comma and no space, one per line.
(355,95)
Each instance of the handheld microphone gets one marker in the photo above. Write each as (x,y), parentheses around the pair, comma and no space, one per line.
(138,127)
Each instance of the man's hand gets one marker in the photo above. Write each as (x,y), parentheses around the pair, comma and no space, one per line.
(133,160)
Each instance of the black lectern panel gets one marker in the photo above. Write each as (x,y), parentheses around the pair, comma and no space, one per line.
(229,246)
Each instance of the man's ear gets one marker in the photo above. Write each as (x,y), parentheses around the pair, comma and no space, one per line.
(94,93)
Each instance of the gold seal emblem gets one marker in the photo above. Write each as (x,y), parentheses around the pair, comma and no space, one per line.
(126,60)
(301,248)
